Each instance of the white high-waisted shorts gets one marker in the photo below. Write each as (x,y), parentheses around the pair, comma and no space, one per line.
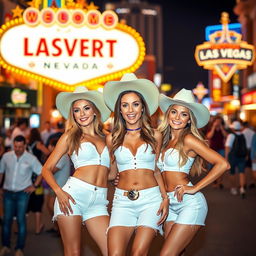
(91,201)
(140,212)
(192,210)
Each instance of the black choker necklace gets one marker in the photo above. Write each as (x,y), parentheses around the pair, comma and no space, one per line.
(136,129)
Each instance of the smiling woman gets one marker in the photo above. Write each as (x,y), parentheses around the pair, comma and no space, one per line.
(84,141)
(182,153)
(140,201)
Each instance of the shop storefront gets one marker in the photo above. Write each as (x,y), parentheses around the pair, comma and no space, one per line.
(249,107)
(17,103)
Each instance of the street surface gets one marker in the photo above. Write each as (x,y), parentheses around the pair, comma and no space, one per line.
(230,230)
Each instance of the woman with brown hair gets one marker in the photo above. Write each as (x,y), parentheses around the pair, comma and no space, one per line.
(182,154)
(140,201)
(83,199)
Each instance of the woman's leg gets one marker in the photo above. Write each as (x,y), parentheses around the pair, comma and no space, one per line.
(178,239)
(70,230)
(39,222)
(97,228)
(118,239)
(167,228)
(142,241)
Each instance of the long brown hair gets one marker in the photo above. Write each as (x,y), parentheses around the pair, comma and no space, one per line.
(75,132)
(199,164)
(119,129)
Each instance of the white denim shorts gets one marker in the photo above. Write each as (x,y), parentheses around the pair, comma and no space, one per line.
(140,212)
(192,210)
(91,201)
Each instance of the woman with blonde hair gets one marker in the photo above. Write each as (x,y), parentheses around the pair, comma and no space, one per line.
(140,202)
(83,199)
(182,154)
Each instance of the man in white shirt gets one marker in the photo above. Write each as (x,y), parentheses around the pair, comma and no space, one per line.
(18,166)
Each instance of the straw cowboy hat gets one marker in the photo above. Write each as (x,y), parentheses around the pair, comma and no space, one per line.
(129,82)
(186,99)
(64,101)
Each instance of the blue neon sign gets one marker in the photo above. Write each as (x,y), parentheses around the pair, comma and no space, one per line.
(211,29)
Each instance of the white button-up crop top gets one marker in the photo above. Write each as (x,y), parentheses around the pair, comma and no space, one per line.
(143,159)
(170,162)
(88,155)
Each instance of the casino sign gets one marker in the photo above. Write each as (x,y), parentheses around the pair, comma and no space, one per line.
(66,47)
(225,52)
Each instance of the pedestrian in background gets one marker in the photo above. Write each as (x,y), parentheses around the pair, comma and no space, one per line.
(236,154)
(20,129)
(182,154)
(57,133)
(46,132)
(18,166)
(248,134)
(61,174)
(36,200)
(253,157)
(217,136)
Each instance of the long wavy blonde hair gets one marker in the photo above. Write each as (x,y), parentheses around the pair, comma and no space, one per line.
(74,131)
(199,164)
(119,129)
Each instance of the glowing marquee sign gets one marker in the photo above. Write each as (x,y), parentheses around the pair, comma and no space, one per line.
(225,52)
(69,47)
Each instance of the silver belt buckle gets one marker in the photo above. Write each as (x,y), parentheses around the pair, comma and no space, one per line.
(133,194)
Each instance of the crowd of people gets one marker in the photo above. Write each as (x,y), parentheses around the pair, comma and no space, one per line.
(70,168)
(235,143)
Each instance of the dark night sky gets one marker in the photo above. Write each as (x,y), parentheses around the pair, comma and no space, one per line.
(184,28)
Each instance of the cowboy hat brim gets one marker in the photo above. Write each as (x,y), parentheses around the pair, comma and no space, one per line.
(145,87)
(200,111)
(64,101)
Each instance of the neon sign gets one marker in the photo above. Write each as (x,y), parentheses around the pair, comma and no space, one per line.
(225,52)
(65,47)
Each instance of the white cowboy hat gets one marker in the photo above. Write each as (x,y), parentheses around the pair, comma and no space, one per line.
(186,99)
(129,82)
(236,125)
(65,99)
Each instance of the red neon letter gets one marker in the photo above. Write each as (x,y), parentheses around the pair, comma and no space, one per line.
(42,47)
(111,47)
(96,48)
(26,53)
(54,44)
(71,49)
(83,47)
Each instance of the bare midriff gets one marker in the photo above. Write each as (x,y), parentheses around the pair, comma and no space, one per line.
(136,179)
(96,175)
(172,179)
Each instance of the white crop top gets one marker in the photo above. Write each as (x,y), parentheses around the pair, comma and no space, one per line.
(170,162)
(88,155)
(144,158)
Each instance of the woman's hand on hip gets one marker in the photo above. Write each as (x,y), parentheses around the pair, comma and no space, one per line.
(64,199)
(180,190)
